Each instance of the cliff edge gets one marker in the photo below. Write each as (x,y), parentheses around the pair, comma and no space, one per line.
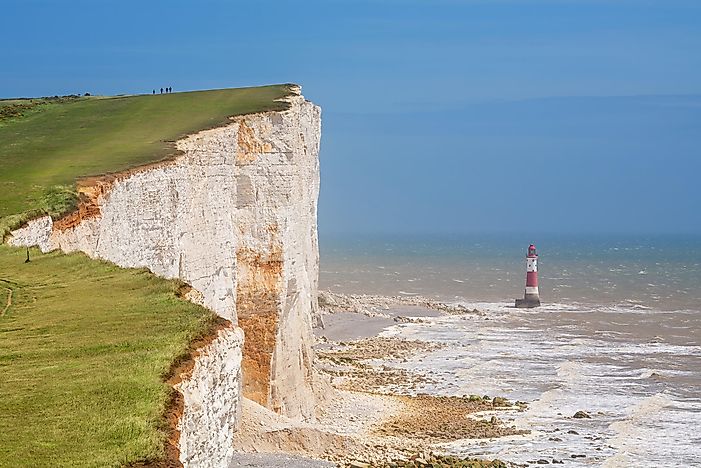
(234,216)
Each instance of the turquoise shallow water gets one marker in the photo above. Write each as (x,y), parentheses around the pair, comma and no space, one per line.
(618,336)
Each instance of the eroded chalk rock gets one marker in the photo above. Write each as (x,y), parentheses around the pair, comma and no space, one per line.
(234,216)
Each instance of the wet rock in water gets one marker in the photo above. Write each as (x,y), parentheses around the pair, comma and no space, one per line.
(558,462)
(581,415)
(573,432)
(500,401)
(474,398)
(555,439)
(543,461)
(578,456)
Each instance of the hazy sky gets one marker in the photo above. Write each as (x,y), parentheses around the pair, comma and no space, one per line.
(439,116)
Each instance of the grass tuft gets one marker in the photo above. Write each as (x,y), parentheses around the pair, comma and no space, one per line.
(12,222)
(56,202)
(59,200)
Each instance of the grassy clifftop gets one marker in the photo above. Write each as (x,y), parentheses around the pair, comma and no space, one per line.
(84,348)
(84,345)
(45,145)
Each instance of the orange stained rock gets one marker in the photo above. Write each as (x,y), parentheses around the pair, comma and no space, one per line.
(249,144)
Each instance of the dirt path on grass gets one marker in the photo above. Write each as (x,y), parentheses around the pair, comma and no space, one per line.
(9,302)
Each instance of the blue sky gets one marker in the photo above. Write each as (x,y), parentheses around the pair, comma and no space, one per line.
(439,116)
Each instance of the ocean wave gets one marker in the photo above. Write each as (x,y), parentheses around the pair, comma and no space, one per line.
(648,373)
(625,307)
(569,370)
(405,293)
(627,438)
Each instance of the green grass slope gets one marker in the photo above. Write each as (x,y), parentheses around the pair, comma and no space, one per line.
(45,145)
(84,347)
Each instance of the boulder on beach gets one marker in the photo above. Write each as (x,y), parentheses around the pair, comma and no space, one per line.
(500,401)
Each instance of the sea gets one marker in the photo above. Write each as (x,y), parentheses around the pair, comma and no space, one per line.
(618,336)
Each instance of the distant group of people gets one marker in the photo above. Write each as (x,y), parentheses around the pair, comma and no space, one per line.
(167,90)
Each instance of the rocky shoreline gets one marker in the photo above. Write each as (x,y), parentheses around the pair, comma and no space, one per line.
(374,305)
(370,413)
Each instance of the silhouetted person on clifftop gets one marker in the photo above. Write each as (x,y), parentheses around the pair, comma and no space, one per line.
(161,90)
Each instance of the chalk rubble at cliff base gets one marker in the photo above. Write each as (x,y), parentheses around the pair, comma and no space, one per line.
(362,422)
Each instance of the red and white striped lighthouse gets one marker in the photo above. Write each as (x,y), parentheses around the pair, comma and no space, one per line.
(531,298)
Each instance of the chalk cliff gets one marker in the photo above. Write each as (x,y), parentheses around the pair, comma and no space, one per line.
(234,216)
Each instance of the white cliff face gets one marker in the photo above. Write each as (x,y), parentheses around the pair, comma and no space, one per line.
(208,420)
(36,232)
(277,256)
(234,216)
(176,219)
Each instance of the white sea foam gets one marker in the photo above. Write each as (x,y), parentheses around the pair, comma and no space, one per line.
(559,368)
(569,370)
(570,354)
(638,431)
(626,307)
(405,293)
(647,373)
